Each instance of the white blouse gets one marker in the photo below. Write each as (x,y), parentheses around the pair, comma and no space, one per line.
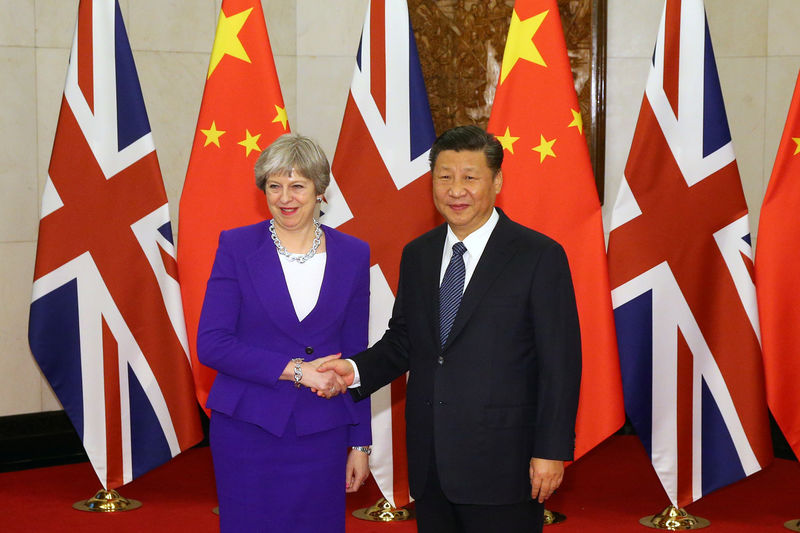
(304,281)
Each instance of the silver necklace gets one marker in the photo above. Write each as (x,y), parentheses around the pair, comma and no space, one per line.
(294,257)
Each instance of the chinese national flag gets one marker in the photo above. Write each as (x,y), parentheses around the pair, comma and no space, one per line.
(549,186)
(778,280)
(242,112)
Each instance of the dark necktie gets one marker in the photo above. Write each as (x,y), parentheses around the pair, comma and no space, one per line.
(451,290)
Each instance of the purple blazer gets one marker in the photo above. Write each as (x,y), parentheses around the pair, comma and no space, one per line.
(249,331)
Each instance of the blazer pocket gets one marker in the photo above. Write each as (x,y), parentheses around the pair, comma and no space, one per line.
(510,416)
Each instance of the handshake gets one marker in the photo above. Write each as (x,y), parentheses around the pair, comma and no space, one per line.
(327,376)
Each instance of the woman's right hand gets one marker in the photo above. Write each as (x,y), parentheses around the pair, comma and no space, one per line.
(325,384)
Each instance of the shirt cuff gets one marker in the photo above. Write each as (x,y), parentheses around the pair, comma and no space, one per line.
(356,377)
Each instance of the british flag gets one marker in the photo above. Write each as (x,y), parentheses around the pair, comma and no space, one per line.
(106,323)
(378,194)
(681,273)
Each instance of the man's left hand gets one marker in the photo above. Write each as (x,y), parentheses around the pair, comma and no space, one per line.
(546,476)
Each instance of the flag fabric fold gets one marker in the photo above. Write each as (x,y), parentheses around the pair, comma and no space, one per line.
(681,271)
(242,112)
(106,325)
(381,193)
(777,269)
(548,185)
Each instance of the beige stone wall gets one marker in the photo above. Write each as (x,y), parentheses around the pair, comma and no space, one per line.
(314,42)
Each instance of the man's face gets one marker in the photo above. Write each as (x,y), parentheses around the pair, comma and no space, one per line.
(464,189)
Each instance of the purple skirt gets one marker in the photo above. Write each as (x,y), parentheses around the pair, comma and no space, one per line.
(288,484)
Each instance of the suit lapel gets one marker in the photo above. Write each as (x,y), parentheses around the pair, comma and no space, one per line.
(336,277)
(499,250)
(267,278)
(431,267)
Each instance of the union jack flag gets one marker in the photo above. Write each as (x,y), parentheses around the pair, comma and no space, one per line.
(106,323)
(377,195)
(681,273)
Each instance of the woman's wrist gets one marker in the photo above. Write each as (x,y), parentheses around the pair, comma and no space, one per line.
(365,449)
(292,371)
(297,373)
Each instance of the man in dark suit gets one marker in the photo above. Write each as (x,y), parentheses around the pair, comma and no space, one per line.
(485,323)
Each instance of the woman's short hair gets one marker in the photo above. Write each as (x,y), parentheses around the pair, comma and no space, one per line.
(470,138)
(293,152)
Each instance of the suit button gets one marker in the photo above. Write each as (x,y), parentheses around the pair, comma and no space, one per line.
(440,360)
(428,403)
(309,350)
(442,403)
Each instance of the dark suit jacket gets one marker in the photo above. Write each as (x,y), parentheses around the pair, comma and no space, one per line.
(249,331)
(505,386)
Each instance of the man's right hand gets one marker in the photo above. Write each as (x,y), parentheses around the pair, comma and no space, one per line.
(342,367)
(318,381)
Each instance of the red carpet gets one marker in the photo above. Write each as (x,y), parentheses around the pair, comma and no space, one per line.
(607,490)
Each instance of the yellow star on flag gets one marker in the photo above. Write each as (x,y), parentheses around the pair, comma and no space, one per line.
(519,43)
(577,121)
(508,141)
(227,39)
(250,142)
(281,116)
(797,148)
(545,148)
(212,134)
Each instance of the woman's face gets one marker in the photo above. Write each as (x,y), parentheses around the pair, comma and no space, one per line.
(291,199)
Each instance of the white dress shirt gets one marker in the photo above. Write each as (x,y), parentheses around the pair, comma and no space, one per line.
(475,243)
(304,281)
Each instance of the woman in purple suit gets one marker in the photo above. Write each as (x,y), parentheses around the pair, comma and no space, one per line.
(281,292)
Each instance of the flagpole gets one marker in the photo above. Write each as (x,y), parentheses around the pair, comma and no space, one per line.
(793,524)
(383,511)
(673,519)
(107,501)
(553,517)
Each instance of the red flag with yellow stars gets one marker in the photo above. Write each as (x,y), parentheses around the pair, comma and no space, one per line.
(242,112)
(549,186)
(777,271)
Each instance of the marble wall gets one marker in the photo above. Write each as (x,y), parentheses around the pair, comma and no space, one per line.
(314,42)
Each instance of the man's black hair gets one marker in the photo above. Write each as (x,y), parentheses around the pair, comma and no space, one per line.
(471,138)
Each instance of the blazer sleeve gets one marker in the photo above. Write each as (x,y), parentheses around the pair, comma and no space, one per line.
(387,359)
(218,345)
(558,349)
(355,335)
